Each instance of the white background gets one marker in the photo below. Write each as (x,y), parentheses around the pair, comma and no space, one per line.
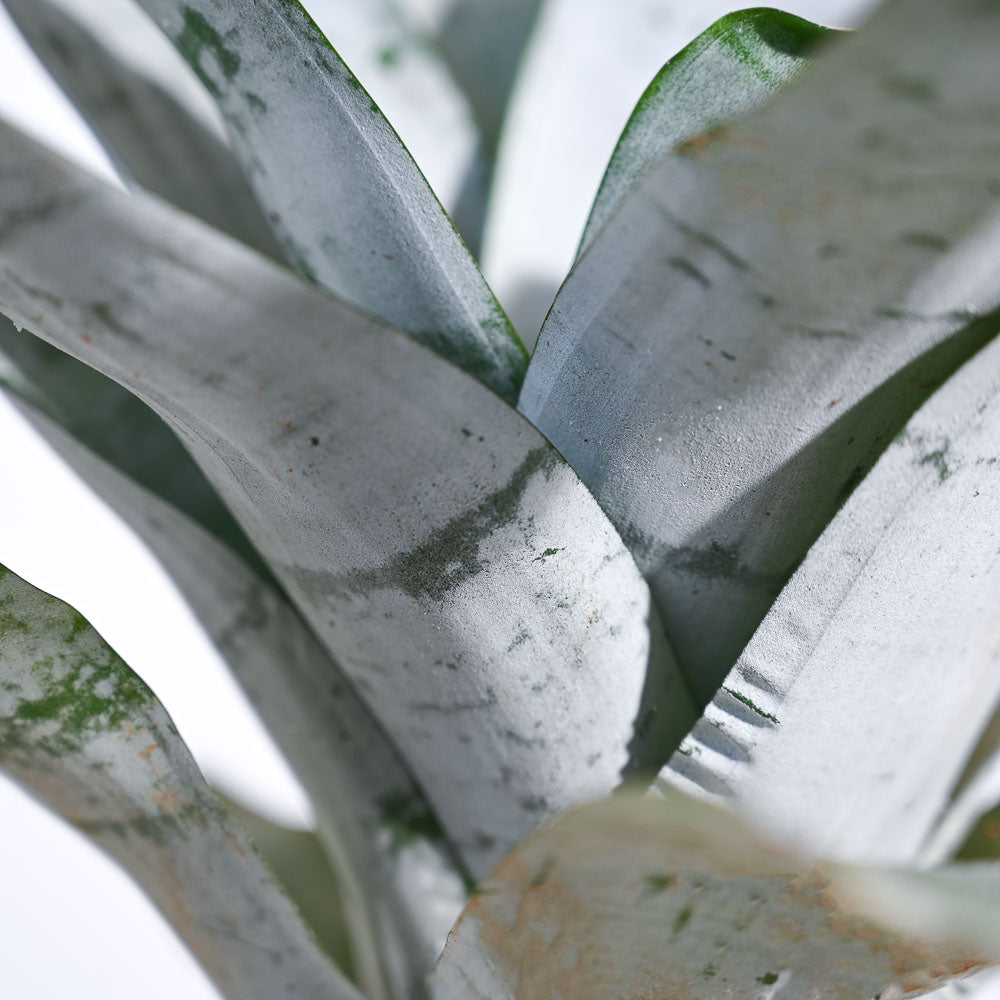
(71,925)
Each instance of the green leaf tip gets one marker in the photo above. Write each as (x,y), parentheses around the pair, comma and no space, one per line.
(733,67)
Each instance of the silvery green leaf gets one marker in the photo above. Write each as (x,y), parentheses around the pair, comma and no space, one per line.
(849,717)
(475,594)
(83,734)
(636,897)
(150,134)
(730,69)
(761,316)
(390,51)
(400,886)
(586,64)
(351,208)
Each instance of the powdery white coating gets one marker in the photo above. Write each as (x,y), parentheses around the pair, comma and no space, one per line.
(400,899)
(348,203)
(476,595)
(760,317)
(724,74)
(83,735)
(395,58)
(638,898)
(877,668)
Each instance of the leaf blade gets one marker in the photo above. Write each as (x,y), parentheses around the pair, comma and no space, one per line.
(731,68)
(761,317)
(371,231)
(874,671)
(87,738)
(425,570)
(400,898)
(633,897)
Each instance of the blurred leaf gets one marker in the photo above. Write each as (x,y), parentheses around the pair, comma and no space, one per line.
(483,42)
(83,734)
(150,135)
(735,66)
(350,206)
(401,895)
(638,897)
(474,593)
(851,713)
(768,307)
(298,861)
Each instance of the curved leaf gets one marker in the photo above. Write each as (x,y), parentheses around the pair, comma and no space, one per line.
(150,134)
(85,736)
(876,670)
(398,881)
(407,76)
(473,591)
(638,897)
(729,70)
(349,205)
(764,313)
(585,66)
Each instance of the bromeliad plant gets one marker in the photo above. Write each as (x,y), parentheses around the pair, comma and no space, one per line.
(734,525)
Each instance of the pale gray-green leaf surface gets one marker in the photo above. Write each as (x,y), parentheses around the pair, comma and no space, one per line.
(478,598)
(850,715)
(83,734)
(586,64)
(635,898)
(400,887)
(149,133)
(761,316)
(351,208)
(391,51)
(725,73)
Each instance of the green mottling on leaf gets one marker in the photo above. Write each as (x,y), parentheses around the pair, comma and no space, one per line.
(749,704)
(710,970)
(939,461)
(255,103)
(83,694)
(199,35)
(78,626)
(546,554)
(768,979)
(450,556)
(682,919)
(653,885)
